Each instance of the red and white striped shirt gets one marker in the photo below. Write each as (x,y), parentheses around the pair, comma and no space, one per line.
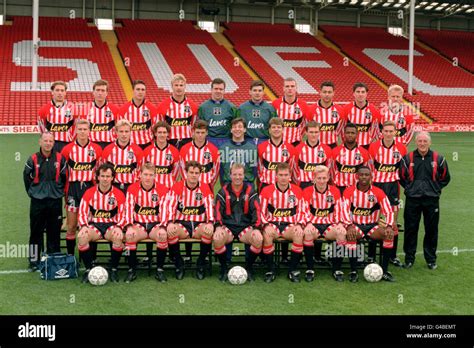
(307,158)
(102,120)
(366,120)
(404,122)
(145,206)
(293,116)
(102,207)
(282,206)
(385,161)
(346,162)
(82,161)
(126,161)
(330,122)
(326,207)
(185,204)
(207,156)
(58,120)
(179,115)
(365,207)
(142,117)
(166,162)
(269,155)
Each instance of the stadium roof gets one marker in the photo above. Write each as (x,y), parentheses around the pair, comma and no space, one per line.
(441,8)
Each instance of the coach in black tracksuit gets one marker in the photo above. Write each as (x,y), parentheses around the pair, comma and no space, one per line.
(423,173)
(45,178)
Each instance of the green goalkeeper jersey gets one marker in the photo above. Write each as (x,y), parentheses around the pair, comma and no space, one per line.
(218,115)
(257,117)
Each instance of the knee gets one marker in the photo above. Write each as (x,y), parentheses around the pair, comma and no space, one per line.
(341,232)
(257,238)
(83,235)
(161,235)
(298,232)
(218,236)
(117,236)
(130,235)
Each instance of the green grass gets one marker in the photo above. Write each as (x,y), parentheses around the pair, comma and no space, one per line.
(417,291)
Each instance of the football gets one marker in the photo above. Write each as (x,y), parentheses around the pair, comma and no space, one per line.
(373,273)
(98,276)
(237,275)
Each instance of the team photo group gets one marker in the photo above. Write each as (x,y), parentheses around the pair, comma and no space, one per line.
(257,173)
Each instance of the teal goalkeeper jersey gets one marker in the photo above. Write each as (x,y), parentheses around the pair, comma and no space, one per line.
(245,153)
(257,117)
(218,115)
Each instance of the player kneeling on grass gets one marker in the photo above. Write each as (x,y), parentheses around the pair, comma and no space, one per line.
(144,208)
(190,214)
(283,215)
(237,216)
(327,217)
(366,202)
(101,217)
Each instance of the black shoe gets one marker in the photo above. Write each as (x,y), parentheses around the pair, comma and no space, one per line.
(269,277)
(250,275)
(85,277)
(223,275)
(309,275)
(179,273)
(353,277)
(113,276)
(131,276)
(432,265)
(33,267)
(408,265)
(388,277)
(370,260)
(338,276)
(396,262)
(160,276)
(294,276)
(200,273)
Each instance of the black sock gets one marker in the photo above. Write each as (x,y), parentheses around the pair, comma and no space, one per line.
(353,263)
(393,254)
(336,263)
(284,250)
(149,251)
(294,261)
(270,264)
(309,256)
(189,248)
(115,259)
(70,246)
(132,259)
(87,258)
(386,253)
(176,254)
(251,257)
(318,247)
(94,250)
(160,257)
(372,248)
(205,248)
(222,260)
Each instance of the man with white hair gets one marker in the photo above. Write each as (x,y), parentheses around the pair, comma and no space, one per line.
(423,174)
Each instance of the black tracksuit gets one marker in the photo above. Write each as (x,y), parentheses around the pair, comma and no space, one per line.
(46,200)
(422,184)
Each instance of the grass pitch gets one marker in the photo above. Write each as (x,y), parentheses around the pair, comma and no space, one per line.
(446,290)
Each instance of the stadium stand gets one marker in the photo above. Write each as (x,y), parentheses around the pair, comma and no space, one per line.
(451,44)
(443,91)
(158,49)
(69,50)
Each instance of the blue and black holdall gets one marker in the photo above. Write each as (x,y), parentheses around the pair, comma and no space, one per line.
(57,266)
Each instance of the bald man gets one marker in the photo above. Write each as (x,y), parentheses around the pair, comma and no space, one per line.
(423,174)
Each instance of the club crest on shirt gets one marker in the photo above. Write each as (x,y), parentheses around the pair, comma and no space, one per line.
(371,198)
(168,157)
(108,113)
(256,113)
(368,115)
(334,114)
(187,109)
(67,113)
(401,120)
(396,154)
(297,110)
(357,156)
(154,197)
(130,155)
(198,196)
(217,111)
(206,155)
(146,113)
(321,153)
(111,201)
(284,152)
(330,199)
(292,199)
(91,153)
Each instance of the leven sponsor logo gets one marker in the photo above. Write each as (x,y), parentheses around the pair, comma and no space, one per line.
(37,331)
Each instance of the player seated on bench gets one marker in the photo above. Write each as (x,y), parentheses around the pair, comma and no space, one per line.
(282,215)
(237,216)
(144,207)
(366,202)
(101,217)
(326,216)
(190,214)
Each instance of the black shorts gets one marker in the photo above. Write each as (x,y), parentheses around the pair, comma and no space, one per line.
(341,189)
(322,229)
(122,187)
(74,194)
(305,184)
(392,190)
(189,226)
(59,145)
(147,226)
(102,227)
(179,143)
(366,231)
(280,226)
(237,232)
